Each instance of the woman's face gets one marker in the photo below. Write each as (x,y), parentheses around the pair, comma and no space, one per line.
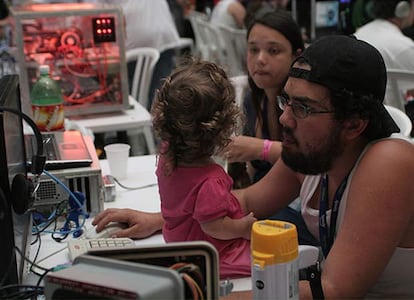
(269,56)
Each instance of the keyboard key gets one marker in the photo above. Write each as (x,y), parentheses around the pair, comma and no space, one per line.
(79,247)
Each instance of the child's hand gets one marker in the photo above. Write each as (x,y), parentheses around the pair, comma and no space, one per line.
(249,219)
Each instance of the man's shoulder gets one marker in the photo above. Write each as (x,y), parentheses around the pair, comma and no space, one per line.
(385,162)
(396,147)
(396,138)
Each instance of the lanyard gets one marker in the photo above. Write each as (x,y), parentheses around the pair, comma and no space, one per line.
(326,235)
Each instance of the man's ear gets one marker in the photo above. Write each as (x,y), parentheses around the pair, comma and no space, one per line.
(297,53)
(354,127)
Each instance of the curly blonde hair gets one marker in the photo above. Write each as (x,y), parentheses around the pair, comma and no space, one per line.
(194,112)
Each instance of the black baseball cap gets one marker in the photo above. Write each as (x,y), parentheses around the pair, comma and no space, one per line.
(341,62)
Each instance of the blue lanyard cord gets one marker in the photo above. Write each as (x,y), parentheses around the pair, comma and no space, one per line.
(327,234)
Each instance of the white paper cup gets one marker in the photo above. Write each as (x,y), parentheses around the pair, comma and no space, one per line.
(117,156)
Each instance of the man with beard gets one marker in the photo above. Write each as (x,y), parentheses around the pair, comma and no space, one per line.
(354,175)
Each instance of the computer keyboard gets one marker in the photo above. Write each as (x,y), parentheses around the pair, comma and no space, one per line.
(78,247)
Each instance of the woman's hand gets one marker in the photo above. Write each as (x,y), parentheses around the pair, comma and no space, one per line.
(243,149)
(246,148)
(140,224)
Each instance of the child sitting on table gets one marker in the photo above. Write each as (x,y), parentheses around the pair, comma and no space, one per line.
(194,115)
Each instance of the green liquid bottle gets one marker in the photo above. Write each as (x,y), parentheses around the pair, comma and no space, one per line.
(47,102)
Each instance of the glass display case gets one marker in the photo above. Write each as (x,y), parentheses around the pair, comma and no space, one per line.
(84,46)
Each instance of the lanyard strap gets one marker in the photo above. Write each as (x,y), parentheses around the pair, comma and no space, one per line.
(327,234)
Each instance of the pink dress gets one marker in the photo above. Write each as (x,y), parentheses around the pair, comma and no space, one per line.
(191,196)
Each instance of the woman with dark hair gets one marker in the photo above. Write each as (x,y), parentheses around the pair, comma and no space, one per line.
(274,40)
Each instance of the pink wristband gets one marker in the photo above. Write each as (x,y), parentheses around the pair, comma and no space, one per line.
(266,149)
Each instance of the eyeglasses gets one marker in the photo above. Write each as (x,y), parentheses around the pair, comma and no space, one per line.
(300,111)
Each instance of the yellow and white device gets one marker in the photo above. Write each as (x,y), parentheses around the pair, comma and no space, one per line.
(275,260)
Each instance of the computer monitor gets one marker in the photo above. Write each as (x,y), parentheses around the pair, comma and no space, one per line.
(325,17)
(15,230)
(327,13)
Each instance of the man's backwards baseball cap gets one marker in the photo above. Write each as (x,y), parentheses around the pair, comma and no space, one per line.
(341,62)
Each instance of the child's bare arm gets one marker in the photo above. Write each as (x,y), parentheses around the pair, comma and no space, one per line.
(226,228)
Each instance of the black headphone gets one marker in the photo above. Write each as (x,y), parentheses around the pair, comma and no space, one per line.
(402,9)
(3,205)
(23,189)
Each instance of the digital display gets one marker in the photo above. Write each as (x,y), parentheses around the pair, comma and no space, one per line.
(103,29)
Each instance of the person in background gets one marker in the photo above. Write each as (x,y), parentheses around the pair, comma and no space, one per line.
(342,155)
(273,41)
(230,13)
(177,9)
(193,115)
(258,7)
(384,33)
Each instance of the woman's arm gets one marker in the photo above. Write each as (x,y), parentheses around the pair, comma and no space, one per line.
(246,148)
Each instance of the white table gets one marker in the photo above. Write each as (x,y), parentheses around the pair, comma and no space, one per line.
(141,172)
(134,120)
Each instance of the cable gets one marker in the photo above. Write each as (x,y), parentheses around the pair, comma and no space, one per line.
(37,250)
(132,188)
(41,277)
(39,228)
(52,254)
(83,213)
(66,189)
(56,213)
(29,260)
(195,289)
(35,259)
(30,291)
(188,272)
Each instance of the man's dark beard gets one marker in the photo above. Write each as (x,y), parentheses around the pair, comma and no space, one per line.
(314,162)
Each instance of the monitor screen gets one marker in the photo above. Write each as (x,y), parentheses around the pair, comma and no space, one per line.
(327,13)
(14,229)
